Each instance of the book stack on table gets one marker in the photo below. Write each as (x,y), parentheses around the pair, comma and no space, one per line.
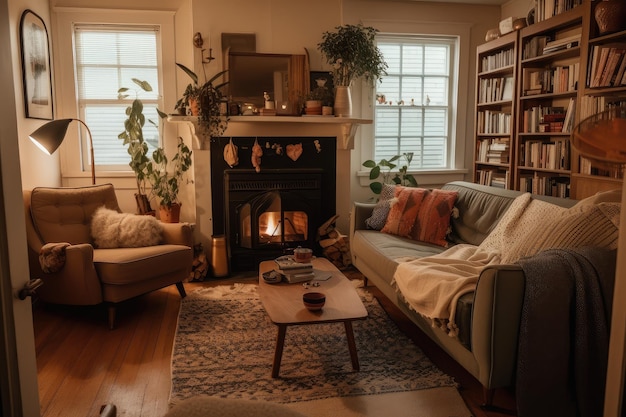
(293,271)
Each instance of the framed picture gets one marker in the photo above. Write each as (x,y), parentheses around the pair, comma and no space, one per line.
(321,79)
(36,72)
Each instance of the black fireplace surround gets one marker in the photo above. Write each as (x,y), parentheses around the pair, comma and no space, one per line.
(304,189)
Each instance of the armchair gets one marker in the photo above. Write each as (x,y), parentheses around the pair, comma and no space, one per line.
(91,275)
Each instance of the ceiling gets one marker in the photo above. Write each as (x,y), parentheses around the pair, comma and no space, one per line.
(483,2)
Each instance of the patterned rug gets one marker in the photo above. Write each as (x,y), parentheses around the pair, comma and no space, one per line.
(224,347)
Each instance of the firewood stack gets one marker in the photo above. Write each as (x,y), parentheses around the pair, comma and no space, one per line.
(200,264)
(335,246)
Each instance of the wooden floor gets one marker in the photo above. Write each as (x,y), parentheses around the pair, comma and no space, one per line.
(83,365)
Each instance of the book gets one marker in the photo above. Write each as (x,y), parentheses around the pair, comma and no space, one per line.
(288,264)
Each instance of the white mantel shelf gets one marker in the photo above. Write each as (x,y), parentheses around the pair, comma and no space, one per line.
(348,125)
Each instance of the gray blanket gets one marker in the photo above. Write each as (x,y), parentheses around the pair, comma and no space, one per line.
(564,332)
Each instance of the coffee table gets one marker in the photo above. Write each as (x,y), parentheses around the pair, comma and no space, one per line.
(283,304)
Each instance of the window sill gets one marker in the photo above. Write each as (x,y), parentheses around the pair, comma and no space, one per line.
(424,178)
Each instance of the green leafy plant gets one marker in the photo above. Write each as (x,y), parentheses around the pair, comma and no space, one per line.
(135,144)
(352,52)
(165,176)
(322,94)
(385,170)
(209,96)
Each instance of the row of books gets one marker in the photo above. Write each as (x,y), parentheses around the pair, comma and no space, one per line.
(559,79)
(498,60)
(492,177)
(608,66)
(546,155)
(545,9)
(544,119)
(495,89)
(545,185)
(494,122)
(542,45)
(587,167)
(493,150)
(590,105)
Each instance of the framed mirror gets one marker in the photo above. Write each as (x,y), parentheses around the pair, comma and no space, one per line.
(250,74)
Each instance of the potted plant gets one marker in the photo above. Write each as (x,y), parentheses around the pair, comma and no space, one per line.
(165,176)
(385,168)
(209,98)
(190,97)
(136,146)
(318,98)
(352,53)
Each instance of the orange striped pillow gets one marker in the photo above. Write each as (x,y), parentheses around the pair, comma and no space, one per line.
(421,214)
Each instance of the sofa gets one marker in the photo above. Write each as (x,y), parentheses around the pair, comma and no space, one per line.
(130,255)
(487,317)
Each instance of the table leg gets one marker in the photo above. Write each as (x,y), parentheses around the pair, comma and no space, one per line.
(278,353)
(352,345)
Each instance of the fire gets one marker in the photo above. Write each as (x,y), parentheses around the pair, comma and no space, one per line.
(273,225)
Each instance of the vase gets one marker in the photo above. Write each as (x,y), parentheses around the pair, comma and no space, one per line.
(169,214)
(610,16)
(343,102)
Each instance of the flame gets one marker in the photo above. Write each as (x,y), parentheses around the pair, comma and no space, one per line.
(273,226)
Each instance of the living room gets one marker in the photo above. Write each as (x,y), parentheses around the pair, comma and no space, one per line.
(280,27)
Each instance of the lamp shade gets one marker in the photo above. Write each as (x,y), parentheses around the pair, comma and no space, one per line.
(50,136)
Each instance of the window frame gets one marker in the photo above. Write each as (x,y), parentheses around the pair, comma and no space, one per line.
(72,153)
(458,163)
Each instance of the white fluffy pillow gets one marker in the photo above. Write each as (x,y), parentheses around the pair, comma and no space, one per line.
(111,229)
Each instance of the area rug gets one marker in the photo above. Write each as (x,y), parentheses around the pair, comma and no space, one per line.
(224,347)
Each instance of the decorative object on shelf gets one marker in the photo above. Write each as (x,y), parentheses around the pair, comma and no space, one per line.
(36,71)
(50,136)
(166,183)
(385,168)
(352,52)
(506,26)
(519,23)
(610,16)
(492,34)
(231,155)
(210,99)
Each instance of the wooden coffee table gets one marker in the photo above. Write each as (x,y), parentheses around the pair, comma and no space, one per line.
(283,304)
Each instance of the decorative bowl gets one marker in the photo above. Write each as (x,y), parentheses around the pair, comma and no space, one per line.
(314,301)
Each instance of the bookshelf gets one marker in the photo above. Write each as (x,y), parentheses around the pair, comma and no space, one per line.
(603,86)
(496,66)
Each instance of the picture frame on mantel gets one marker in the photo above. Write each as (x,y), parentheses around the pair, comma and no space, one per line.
(36,71)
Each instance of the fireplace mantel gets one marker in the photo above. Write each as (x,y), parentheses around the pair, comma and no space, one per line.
(345,139)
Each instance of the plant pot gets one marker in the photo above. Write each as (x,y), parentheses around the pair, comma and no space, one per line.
(610,16)
(313,107)
(343,102)
(169,214)
(194,106)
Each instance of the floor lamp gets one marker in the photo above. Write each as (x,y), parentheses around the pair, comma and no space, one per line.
(50,135)
(602,139)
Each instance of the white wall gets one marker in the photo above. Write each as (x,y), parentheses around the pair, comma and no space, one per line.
(285,26)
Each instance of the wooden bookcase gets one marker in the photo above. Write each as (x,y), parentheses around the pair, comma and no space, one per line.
(496,66)
(556,87)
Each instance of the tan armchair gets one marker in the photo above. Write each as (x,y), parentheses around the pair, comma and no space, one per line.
(89,275)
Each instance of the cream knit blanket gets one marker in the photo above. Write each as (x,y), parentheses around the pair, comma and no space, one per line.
(432,285)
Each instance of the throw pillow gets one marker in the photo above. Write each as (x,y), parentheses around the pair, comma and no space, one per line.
(111,229)
(379,215)
(421,214)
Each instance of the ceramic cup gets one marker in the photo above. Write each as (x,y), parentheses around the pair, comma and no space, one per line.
(314,301)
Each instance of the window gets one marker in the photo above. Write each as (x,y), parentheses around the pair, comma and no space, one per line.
(107,57)
(414,109)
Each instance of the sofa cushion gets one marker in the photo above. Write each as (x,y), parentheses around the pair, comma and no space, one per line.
(123,266)
(111,229)
(64,214)
(379,215)
(421,214)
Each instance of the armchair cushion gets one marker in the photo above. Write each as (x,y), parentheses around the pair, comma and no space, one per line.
(111,229)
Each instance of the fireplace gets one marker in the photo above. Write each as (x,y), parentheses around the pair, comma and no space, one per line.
(268,213)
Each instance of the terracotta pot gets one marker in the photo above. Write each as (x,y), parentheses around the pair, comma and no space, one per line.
(610,16)
(170,214)
(194,106)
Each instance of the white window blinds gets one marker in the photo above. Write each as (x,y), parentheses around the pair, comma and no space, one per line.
(107,58)
(413,111)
